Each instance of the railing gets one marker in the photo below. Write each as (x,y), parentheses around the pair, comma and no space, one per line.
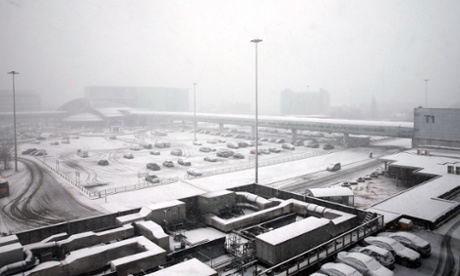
(323,251)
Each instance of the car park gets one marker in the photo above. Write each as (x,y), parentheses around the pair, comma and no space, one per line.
(184,162)
(150,177)
(338,269)
(177,152)
(410,240)
(382,255)
(288,146)
(238,155)
(363,263)
(194,172)
(155,152)
(128,156)
(168,163)
(210,159)
(153,166)
(404,255)
(103,162)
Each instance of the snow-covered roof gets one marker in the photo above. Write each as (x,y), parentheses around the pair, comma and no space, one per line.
(332,191)
(192,267)
(293,230)
(83,117)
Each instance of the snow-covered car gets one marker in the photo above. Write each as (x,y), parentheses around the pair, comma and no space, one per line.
(238,155)
(404,255)
(153,166)
(40,152)
(196,143)
(168,163)
(193,172)
(338,269)
(28,151)
(334,167)
(177,152)
(154,152)
(210,159)
(150,177)
(274,150)
(363,263)
(265,151)
(184,162)
(135,147)
(328,147)
(288,146)
(382,255)
(410,240)
(55,143)
(205,149)
(128,156)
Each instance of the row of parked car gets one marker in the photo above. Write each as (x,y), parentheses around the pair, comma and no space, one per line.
(379,255)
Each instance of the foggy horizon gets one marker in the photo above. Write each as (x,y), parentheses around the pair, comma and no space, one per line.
(356,51)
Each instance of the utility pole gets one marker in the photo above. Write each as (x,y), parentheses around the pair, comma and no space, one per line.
(14,116)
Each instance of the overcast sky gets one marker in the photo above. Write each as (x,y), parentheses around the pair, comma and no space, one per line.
(352,49)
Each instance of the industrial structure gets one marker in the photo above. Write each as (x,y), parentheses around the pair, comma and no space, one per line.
(249,228)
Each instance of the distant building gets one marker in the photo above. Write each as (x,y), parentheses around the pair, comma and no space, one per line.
(152,98)
(25,101)
(304,103)
(436,127)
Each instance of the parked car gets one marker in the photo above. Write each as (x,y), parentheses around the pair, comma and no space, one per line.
(363,263)
(212,141)
(222,154)
(205,149)
(41,152)
(128,156)
(274,150)
(280,141)
(150,177)
(196,143)
(382,255)
(334,167)
(184,162)
(404,255)
(103,162)
(328,147)
(177,152)
(55,143)
(113,137)
(135,147)
(168,163)
(147,146)
(360,179)
(288,146)
(238,155)
(155,152)
(153,166)
(338,269)
(253,151)
(410,240)
(265,151)
(193,172)
(210,159)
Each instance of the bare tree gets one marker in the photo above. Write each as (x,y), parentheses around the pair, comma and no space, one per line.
(6,149)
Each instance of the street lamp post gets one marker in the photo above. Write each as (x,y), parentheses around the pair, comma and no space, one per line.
(426,93)
(194,111)
(256,42)
(14,116)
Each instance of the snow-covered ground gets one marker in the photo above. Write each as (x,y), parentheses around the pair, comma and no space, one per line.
(112,182)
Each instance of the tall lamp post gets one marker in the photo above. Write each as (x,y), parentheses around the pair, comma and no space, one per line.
(256,42)
(426,93)
(194,111)
(14,116)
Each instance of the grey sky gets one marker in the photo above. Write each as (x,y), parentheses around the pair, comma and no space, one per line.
(353,49)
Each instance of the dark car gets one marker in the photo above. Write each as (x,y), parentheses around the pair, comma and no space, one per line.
(328,147)
(238,155)
(103,162)
(153,166)
(28,151)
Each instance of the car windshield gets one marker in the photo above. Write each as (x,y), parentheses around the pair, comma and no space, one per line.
(397,246)
(372,264)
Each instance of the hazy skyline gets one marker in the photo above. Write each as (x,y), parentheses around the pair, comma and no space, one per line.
(353,49)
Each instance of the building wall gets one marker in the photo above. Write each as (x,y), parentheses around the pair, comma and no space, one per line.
(25,101)
(436,127)
(297,103)
(153,98)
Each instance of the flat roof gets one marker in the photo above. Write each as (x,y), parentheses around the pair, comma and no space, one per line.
(421,201)
(332,191)
(293,230)
(192,267)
